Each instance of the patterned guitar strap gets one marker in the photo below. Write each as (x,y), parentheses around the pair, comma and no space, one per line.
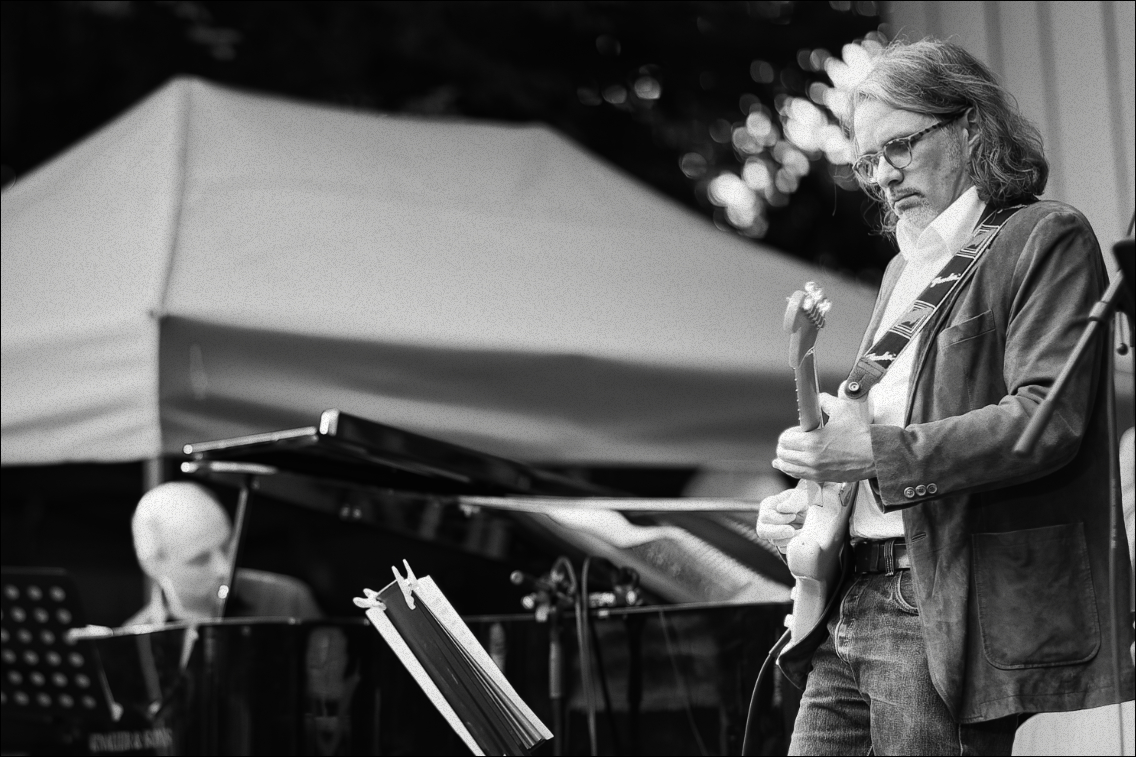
(874,363)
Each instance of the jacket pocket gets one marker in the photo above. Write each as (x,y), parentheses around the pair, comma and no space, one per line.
(968,329)
(968,360)
(1036,604)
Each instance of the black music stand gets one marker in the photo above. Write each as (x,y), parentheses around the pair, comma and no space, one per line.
(47,674)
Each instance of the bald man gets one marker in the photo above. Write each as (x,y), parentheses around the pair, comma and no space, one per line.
(182,540)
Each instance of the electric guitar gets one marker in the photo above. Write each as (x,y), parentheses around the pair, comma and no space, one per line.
(814,554)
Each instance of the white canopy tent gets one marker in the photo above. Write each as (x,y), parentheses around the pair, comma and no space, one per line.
(215,263)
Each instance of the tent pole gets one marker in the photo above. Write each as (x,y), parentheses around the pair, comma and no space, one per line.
(153,473)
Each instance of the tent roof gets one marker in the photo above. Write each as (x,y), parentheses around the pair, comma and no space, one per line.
(215,263)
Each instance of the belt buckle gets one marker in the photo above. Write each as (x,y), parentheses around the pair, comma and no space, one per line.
(889,557)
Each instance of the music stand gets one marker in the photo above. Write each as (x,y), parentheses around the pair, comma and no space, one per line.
(45,673)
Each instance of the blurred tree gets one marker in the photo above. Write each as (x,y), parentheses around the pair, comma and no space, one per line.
(661,89)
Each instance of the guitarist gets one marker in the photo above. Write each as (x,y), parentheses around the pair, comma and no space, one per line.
(975,586)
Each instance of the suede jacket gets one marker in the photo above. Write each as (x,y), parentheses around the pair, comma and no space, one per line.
(1009,555)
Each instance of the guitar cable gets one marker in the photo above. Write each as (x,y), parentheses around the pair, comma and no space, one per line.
(749,740)
(597,650)
(589,651)
(681,683)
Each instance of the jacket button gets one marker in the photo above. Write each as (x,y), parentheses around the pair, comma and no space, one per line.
(909,492)
(921,490)
(932,489)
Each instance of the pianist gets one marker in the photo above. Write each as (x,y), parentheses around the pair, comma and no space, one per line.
(182,540)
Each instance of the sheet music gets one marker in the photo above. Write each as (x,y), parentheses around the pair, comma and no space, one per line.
(452,668)
(453,623)
(382,623)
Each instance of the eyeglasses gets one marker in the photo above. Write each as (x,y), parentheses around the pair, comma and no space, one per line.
(897,152)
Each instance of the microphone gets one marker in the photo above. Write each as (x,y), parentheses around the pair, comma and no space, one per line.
(544,591)
(529,581)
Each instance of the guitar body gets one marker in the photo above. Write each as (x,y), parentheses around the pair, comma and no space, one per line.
(813,556)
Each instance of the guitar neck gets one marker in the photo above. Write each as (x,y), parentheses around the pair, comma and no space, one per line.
(808,393)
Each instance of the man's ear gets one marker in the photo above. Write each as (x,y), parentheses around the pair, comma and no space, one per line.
(154,563)
(972,130)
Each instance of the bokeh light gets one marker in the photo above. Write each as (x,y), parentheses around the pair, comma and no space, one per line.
(588,96)
(693,165)
(761,72)
(744,209)
(616,94)
(756,175)
(648,88)
(777,150)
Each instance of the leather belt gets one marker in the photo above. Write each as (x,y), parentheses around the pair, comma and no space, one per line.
(885,556)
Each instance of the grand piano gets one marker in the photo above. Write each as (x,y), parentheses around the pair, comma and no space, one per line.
(675,672)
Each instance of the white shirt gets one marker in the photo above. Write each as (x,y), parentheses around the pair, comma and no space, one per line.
(925,253)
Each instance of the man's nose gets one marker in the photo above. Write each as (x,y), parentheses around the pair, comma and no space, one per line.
(887,174)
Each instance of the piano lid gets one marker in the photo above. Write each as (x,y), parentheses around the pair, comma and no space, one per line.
(362,472)
(349,449)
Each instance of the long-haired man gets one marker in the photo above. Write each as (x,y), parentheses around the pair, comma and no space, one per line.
(975,585)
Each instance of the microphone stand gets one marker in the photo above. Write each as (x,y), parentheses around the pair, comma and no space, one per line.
(555,680)
(1099,317)
(555,593)
(1100,325)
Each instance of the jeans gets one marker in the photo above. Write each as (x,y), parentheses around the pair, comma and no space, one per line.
(870,691)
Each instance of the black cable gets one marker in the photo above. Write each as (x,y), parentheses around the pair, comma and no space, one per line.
(597,650)
(682,686)
(749,745)
(582,622)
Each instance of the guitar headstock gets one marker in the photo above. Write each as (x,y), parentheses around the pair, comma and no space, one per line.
(804,318)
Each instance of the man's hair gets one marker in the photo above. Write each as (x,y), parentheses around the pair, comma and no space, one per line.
(937,78)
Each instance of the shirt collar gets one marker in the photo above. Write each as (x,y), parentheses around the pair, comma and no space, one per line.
(946,234)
